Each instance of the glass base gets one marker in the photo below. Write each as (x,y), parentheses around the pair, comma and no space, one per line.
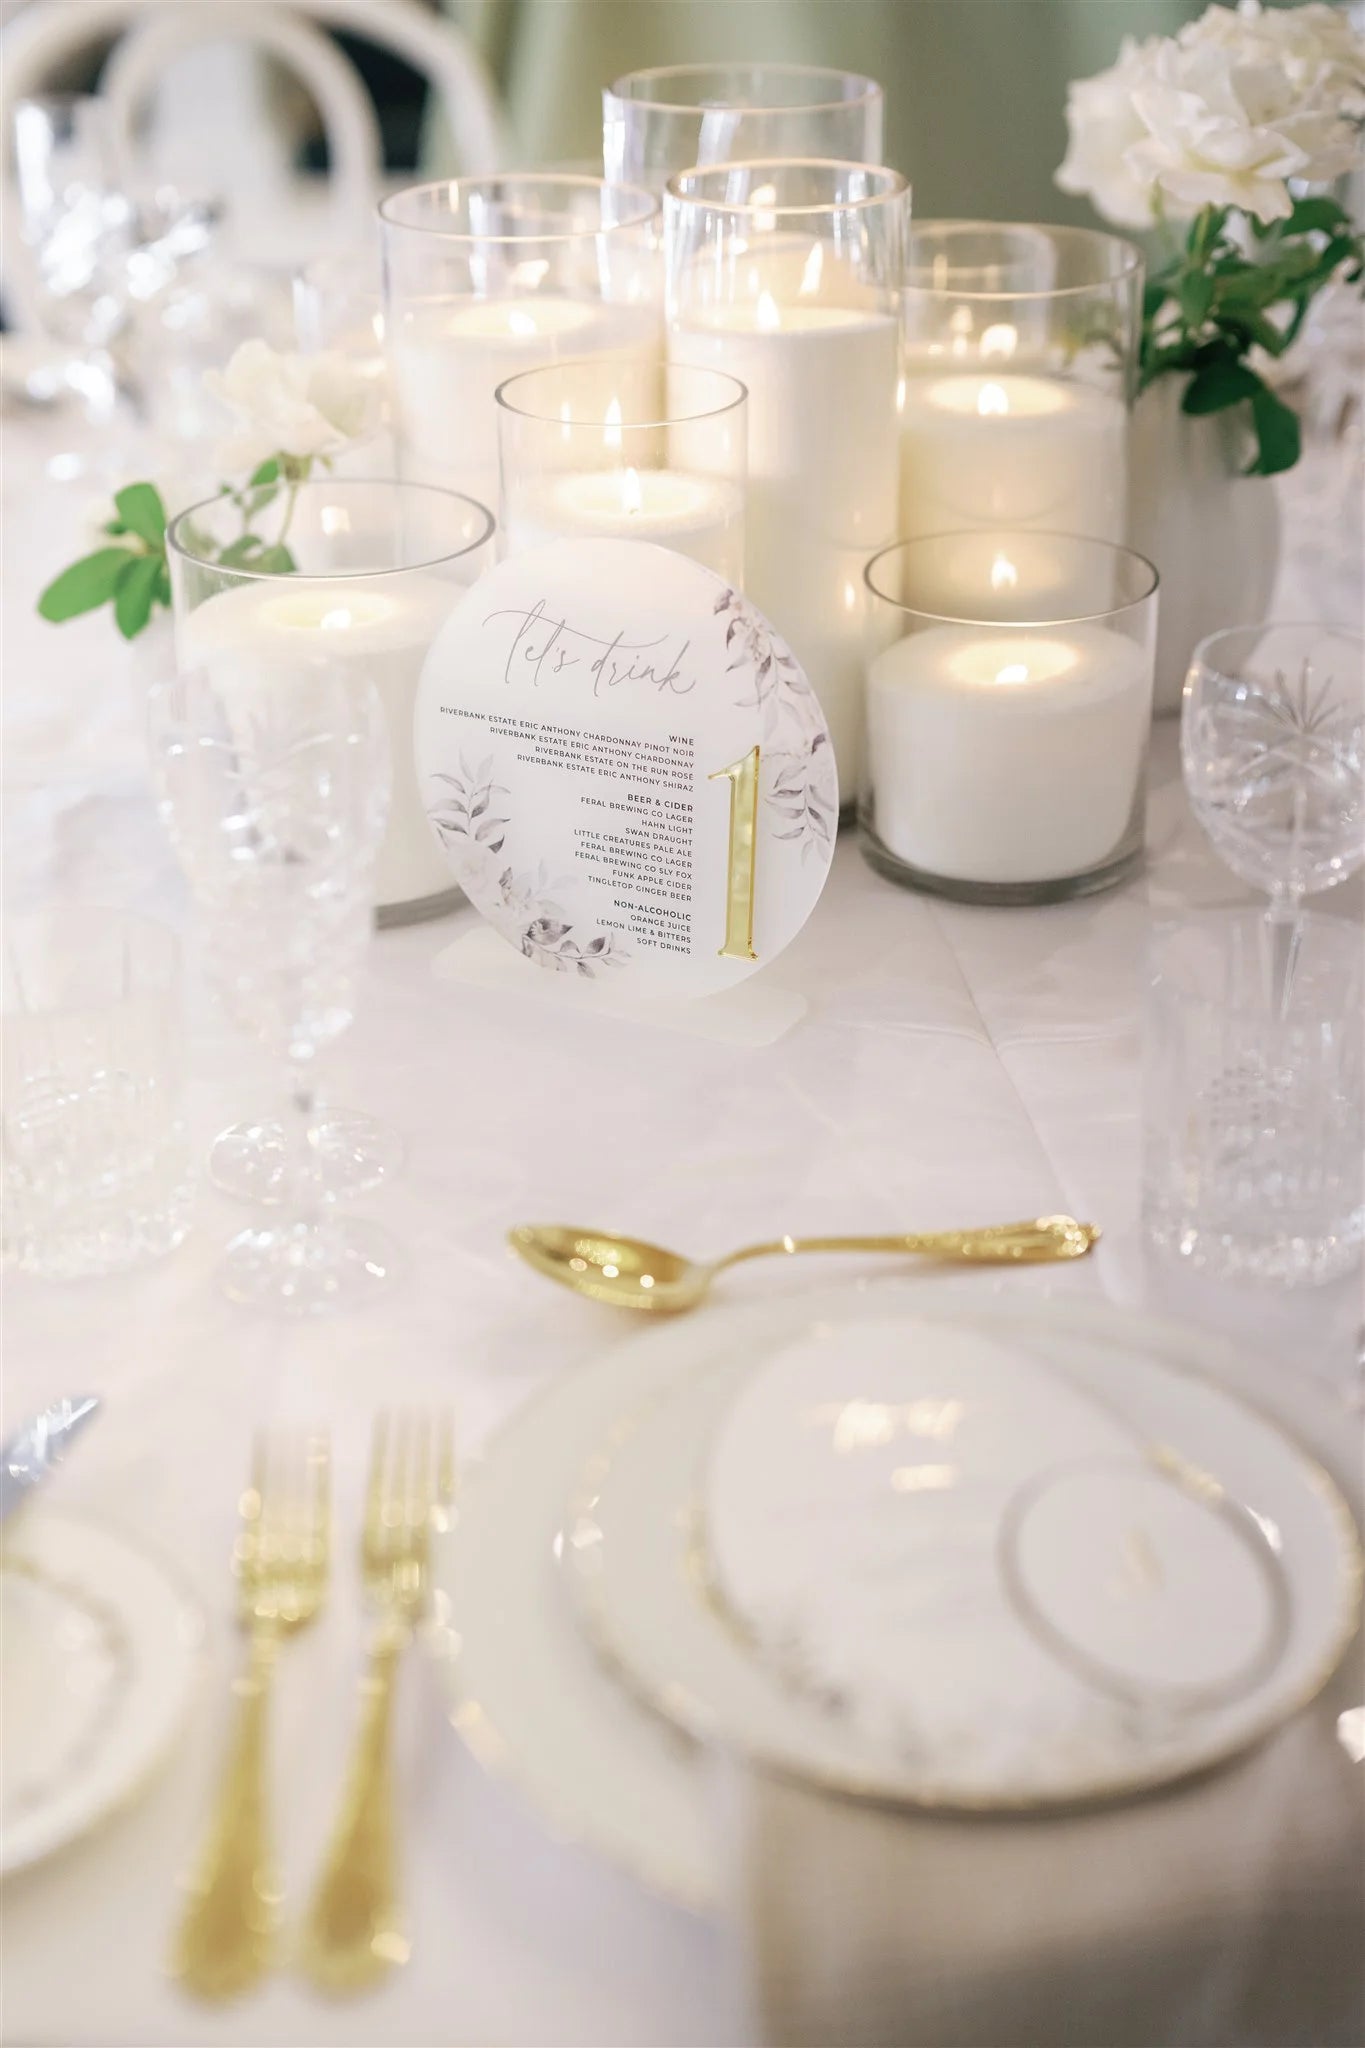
(258,1162)
(1059,889)
(309,1268)
(420,909)
(1281,1260)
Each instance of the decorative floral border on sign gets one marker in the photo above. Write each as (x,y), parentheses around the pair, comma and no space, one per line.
(523,906)
(798,776)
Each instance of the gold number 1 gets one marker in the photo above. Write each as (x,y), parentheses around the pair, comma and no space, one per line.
(742,777)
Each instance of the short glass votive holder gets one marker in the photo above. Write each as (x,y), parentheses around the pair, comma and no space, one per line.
(361,573)
(627,451)
(1254,1099)
(1009,697)
(675,116)
(787,275)
(1019,374)
(97,1169)
(484,277)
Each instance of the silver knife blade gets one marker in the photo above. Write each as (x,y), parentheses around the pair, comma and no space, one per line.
(38,1447)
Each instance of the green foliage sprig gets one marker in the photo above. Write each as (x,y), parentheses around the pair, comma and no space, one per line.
(131,571)
(1212,304)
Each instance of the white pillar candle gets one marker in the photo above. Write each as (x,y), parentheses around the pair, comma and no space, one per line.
(375,628)
(446,361)
(1005,755)
(698,516)
(1002,448)
(822,493)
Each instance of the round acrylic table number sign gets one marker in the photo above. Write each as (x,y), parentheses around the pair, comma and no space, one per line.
(626,767)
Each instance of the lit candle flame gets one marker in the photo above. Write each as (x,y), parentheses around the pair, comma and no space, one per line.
(1001,340)
(761,199)
(768,316)
(815,263)
(1013,672)
(992,399)
(611,431)
(1004,575)
(632,497)
(519,322)
(340,618)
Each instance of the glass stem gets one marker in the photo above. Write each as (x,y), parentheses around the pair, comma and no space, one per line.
(303,1096)
(1286,936)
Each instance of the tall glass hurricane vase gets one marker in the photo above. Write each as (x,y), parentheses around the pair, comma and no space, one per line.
(484,277)
(275,798)
(1019,375)
(674,117)
(787,275)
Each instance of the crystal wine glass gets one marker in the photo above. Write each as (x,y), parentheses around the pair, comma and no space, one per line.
(276,800)
(1273,747)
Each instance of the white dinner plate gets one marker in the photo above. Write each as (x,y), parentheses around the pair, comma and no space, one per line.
(532,1700)
(984,1562)
(101,1653)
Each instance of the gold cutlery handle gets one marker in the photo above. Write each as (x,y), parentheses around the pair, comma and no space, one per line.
(1046,1237)
(354,1934)
(226,1939)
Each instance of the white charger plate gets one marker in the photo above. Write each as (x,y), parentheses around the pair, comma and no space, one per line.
(1115,1574)
(101,1657)
(531,1698)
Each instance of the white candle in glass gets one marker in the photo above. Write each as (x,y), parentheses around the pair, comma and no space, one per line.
(1005,755)
(447,360)
(1010,449)
(822,491)
(695,515)
(380,629)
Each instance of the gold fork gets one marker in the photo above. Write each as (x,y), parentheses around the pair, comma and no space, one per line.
(228,1934)
(355,1932)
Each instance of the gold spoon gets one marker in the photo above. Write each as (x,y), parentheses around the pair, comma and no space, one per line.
(627,1273)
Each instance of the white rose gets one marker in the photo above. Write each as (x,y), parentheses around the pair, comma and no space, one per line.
(1103,124)
(1319,48)
(1227,126)
(302,406)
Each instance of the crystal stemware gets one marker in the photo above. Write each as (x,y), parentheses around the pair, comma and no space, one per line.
(1273,747)
(275,801)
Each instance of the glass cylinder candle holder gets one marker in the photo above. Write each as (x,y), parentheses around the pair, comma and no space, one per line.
(669,119)
(1020,369)
(338,304)
(628,451)
(361,573)
(787,275)
(1007,736)
(484,277)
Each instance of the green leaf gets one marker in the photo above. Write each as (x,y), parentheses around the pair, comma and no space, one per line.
(85,585)
(162,593)
(1219,385)
(1154,296)
(140,508)
(267,473)
(133,598)
(276,561)
(1196,296)
(1316,215)
(238,553)
(1277,433)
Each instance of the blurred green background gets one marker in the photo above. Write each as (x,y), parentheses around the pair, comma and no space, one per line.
(975,89)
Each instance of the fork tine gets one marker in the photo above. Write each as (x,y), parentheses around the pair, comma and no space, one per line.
(445,1466)
(319,1506)
(395,1491)
(418,1502)
(374,1489)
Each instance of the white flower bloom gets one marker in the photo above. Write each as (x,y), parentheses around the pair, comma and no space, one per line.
(1103,125)
(295,405)
(1223,114)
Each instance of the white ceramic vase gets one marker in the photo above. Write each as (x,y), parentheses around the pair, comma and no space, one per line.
(1213,533)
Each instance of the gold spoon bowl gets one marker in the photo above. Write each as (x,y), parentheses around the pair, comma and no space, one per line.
(625,1272)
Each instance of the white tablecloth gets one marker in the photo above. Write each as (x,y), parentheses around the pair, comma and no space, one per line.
(956,1064)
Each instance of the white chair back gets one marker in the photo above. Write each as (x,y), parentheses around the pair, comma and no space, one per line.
(41,43)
